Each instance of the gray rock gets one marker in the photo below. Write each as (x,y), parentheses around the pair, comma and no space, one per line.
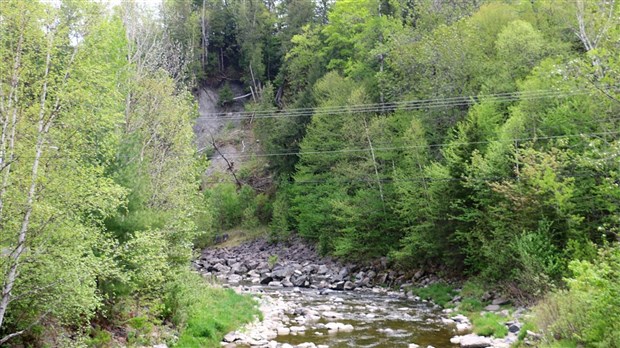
(338,286)
(322,269)
(514,327)
(238,268)
(349,285)
(492,308)
(500,301)
(234,279)
(221,268)
(474,341)
(231,337)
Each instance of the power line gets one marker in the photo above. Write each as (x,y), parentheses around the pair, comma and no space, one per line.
(400,106)
(300,153)
(429,179)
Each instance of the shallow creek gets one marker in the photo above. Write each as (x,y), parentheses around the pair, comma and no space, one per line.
(378,318)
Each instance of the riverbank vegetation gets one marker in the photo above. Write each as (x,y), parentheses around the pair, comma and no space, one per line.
(476,138)
(99,199)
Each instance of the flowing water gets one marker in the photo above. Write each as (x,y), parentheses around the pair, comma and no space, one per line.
(379,320)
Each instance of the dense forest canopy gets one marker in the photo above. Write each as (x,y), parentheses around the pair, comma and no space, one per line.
(478,137)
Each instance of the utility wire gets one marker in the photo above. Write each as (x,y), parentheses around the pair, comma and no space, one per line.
(400,106)
(300,153)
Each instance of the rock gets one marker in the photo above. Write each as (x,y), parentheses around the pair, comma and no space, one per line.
(514,328)
(460,318)
(455,340)
(163,345)
(234,278)
(297,329)
(322,269)
(275,284)
(338,286)
(306,345)
(221,268)
(266,280)
(447,321)
(487,296)
(286,345)
(419,274)
(349,285)
(492,308)
(238,268)
(231,337)
(299,280)
(474,341)
(343,272)
(280,273)
(463,327)
(282,331)
(287,283)
(500,301)
(413,345)
(331,315)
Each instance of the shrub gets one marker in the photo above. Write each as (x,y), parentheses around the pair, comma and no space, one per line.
(204,313)
(490,324)
(226,96)
(471,305)
(439,293)
(279,226)
(588,312)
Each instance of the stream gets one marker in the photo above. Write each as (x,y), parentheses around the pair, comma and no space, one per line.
(377,319)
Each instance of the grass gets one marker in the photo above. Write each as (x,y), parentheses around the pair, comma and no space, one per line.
(238,236)
(439,293)
(206,313)
(490,324)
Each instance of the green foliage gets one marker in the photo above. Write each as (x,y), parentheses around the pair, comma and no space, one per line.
(204,313)
(279,228)
(471,305)
(439,293)
(272,260)
(587,311)
(490,324)
(225,96)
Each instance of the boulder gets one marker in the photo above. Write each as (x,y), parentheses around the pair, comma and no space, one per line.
(474,341)
(492,308)
(322,269)
(349,285)
(338,286)
(221,268)
(500,301)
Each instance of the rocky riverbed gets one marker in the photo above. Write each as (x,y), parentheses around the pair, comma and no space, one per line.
(309,301)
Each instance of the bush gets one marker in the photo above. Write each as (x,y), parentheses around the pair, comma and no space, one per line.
(279,226)
(439,293)
(204,313)
(589,311)
(471,305)
(490,324)
(226,96)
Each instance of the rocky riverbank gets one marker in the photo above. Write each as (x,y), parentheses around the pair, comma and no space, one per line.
(311,301)
(298,265)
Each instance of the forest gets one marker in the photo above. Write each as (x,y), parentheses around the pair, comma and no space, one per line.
(475,139)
